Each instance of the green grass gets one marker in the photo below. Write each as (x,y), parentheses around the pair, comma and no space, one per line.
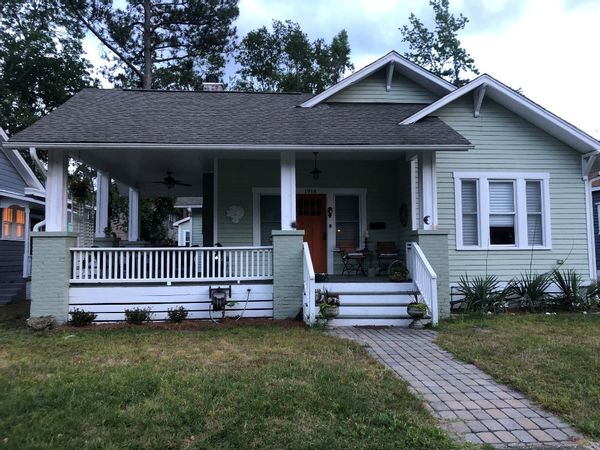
(554,360)
(243,387)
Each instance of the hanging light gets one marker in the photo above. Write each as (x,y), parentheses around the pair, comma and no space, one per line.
(315,172)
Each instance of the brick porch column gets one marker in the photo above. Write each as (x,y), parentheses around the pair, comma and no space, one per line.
(50,274)
(434,244)
(287,273)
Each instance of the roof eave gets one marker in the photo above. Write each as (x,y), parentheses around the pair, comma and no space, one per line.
(70,146)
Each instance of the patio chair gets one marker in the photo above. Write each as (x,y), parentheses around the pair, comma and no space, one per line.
(352,258)
(387,252)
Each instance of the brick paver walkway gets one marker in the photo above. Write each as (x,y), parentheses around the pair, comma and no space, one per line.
(466,400)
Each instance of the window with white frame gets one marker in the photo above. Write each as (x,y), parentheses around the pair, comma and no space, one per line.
(502,210)
(13,223)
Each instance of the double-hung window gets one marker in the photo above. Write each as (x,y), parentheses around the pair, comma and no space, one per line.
(502,210)
(13,223)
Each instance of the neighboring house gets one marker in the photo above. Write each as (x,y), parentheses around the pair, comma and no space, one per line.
(189,229)
(21,206)
(477,179)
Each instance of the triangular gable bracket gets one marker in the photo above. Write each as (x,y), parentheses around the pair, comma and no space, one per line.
(389,77)
(478,96)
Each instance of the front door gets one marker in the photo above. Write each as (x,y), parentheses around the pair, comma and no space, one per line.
(310,217)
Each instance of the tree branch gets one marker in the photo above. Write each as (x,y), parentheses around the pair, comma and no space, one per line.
(104,41)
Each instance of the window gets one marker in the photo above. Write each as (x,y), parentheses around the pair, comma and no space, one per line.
(502,210)
(347,220)
(13,223)
(270,217)
(187,238)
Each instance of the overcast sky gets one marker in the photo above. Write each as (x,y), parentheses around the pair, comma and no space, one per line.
(548,48)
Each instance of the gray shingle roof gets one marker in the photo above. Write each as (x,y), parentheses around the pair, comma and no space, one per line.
(175,117)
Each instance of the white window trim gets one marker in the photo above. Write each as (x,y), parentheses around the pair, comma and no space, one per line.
(330,194)
(482,181)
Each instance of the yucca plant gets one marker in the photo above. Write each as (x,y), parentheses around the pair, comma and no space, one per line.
(570,291)
(532,289)
(482,293)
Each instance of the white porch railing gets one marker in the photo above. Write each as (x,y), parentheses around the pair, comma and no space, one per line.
(309,307)
(178,264)
(424,277)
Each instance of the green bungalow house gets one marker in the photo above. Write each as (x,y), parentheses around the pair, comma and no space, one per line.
(447,180)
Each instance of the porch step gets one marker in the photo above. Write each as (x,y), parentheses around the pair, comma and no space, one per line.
(371,304)
(369,321)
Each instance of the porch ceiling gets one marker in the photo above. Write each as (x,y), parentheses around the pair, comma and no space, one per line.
(141,167)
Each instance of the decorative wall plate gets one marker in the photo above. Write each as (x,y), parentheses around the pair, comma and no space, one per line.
(235,213)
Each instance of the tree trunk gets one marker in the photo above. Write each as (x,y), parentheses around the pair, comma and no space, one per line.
(147,77)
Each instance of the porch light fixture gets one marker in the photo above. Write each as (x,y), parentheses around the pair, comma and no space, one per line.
(315,172)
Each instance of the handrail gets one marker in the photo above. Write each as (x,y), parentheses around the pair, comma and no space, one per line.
(309,307)
(170,264)
(424,277)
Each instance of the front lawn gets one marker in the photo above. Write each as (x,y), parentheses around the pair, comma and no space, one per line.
(242,387)
(554,360)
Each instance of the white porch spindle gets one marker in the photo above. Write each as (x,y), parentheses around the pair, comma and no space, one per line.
(288,190)
(182,264)
(102,191)
(133,229)
(427,191)
(56,191)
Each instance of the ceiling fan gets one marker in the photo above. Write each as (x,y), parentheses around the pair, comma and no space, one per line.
(171,181)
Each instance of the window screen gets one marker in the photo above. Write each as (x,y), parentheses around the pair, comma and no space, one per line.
(469,213)
(534,213)
(270,217)
(347,220)
(502,213)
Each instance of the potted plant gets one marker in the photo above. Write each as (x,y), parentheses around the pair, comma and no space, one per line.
(416,310)
(329,304)
(398,272)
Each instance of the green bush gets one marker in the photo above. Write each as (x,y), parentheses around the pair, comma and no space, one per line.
(81,318)
(571,294)
(137,316)
(177,315)
(531,289)
(482,293)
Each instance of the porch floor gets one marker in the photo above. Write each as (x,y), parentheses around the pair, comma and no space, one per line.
(356,279)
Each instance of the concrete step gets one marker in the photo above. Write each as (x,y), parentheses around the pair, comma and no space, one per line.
(346,321)
(358,287)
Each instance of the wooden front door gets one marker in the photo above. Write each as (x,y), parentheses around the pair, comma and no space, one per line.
(310,217)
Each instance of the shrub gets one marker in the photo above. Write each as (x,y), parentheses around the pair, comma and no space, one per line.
(531,289)
(177,315)
(138,316)
(571,294)
(81,318)
(482,293)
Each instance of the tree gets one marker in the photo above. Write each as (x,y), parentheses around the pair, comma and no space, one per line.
(154,214)
(42,61)
(285,60)
(166,44)
(440,50)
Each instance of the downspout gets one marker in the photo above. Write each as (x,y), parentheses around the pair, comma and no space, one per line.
(37,162)
(44,172)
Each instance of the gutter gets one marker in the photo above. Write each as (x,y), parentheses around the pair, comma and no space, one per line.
(232,147)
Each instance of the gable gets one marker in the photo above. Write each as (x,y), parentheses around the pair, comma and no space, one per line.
(373,89)
(10,180)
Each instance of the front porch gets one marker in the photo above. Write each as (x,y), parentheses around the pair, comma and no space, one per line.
(258,210)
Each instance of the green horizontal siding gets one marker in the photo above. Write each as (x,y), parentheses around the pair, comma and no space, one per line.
(506,143)
(372,90)
(197,238)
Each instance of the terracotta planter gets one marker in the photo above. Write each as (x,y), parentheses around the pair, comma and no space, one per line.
(329,312)
(416,312)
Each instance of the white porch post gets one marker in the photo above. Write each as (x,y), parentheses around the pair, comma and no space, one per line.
(288,190)
(56,191)
(134,215)
(428,192)
(102,192)
(27,252)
